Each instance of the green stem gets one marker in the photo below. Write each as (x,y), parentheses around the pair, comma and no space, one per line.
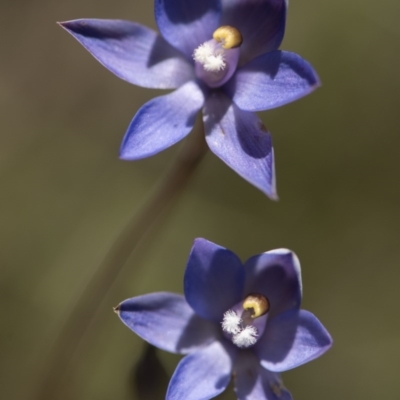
(138,227)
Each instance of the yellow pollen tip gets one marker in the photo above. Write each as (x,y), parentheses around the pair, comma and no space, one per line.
(258,303)
(229,36)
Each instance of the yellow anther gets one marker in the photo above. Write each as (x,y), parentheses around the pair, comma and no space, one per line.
(258,303)
(229,36)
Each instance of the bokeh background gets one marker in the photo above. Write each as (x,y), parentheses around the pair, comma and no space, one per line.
(65,196)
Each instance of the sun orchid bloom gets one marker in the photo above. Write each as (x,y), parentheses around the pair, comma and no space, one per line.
(221,57)
(234,320)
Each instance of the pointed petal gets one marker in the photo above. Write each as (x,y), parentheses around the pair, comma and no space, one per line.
(261,23)
(291,339)
(252,382)
(240,139)
(202,375)
(132,52)
(272,80)
(275,274)
(186,24)
(162,122)
(213,280)
(166,321)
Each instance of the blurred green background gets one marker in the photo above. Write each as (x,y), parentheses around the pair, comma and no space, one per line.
(65,196)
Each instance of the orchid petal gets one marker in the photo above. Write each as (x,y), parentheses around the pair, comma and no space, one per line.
(272,80)
(213,280)
(253,382)
(276,274)
(166,321)
(201,375)
(291,339)
(132,52)
(261,23)
(186,24)
(240,139)
(162,122)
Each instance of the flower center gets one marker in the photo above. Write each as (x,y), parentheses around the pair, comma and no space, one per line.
(216,60)
(244,324)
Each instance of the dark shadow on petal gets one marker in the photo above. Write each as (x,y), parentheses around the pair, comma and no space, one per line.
(187,11)
(279,343)
(245,372)
(191,119)
(81,27)
(216,106)
(227,393)
(221,383)
(278,353)
(282,290)
(161,51)
(271,63)
(216,288)
(114,30)
(233,352)
(198,332)
(255,140)
(272,67)
(224,102)
(261,23)
(258,65)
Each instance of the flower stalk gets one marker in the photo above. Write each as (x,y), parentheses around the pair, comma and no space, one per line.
(139,227)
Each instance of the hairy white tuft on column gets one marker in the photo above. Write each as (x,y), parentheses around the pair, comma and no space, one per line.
(209,57)
(245,338)
(231,322)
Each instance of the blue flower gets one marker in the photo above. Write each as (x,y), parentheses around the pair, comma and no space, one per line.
(222,57)
(234,320)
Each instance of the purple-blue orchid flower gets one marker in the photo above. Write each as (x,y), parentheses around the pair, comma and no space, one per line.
(222,57)
(234,320)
